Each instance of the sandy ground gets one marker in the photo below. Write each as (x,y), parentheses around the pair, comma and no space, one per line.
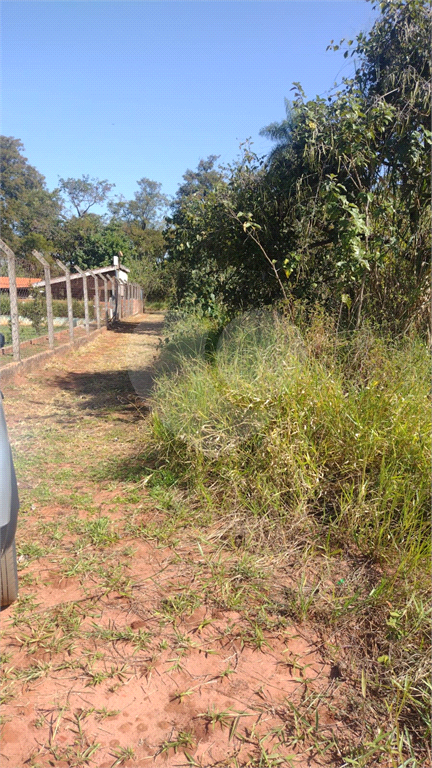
(121,649)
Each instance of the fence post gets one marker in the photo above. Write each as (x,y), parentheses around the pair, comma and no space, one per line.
(97,304)
(85,293)
(120,300)
(48,296)
(113,291)
(68,297)
(13,300)
(105,285)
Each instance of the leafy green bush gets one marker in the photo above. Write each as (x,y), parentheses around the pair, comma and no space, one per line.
(4,305)
(35,310)
(60,308)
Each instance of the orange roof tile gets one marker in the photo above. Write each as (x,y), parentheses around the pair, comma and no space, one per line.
(22,282)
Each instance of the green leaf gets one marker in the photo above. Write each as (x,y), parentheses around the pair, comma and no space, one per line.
(346,299)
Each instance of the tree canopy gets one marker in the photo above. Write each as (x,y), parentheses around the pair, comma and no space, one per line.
(338,213)
(28,211)
(84,193)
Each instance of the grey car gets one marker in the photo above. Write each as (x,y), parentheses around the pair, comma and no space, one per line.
(9,505)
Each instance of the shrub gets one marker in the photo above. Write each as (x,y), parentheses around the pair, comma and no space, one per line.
(60,308)
(35,310)
(4,305)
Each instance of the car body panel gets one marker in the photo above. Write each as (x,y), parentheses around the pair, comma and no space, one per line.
(9,502)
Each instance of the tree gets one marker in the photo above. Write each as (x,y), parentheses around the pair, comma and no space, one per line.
(352,175)
(200,182)
(141,221)
(29,212)
(339,213)
(147,209)
(88,242)
(83,193)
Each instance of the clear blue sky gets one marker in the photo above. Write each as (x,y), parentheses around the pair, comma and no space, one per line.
(131,88)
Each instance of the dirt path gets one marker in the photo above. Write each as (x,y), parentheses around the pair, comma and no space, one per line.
(130,643)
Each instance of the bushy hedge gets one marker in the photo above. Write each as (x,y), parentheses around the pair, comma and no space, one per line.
(4,305)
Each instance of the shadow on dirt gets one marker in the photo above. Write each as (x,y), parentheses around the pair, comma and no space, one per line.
(115,390)
(109,390)
(141,327)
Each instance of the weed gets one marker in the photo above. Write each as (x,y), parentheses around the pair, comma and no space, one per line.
(180,695)
(225,718)
(185,602)
(183,740)
(29,551)
(122,755)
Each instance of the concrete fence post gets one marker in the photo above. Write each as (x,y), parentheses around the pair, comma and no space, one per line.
(120,300)
(13,300)
(86,304)
(48,296)
(96,299)
(105,285)
(113,291)
(68,297)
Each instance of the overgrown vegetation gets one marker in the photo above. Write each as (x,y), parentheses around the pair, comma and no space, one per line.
(340,210)
(315,446)
(304,428)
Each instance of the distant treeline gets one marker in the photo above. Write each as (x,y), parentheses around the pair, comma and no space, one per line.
(61,223)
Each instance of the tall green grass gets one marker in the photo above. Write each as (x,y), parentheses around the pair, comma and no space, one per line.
(339,427)
(317,443)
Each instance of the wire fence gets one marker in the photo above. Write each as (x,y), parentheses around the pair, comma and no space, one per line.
(53,305)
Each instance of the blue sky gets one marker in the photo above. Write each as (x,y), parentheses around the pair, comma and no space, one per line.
(121,89)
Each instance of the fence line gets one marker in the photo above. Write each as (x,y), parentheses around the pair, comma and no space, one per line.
(68,298)
(125,300)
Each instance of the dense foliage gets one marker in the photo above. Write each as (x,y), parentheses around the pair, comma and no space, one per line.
(28,210)
(339,212)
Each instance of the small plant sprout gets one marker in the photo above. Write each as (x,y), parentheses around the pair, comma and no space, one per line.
(183,740)
(122,755)
(180,695)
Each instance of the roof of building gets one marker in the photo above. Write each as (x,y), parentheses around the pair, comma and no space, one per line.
(75,275)
(21,282)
